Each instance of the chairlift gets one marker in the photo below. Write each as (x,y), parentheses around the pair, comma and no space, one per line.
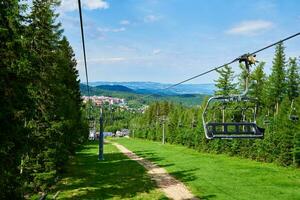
(92,124)
(233,116)
(266,119)
(194,123)
(180,124)
(293,114)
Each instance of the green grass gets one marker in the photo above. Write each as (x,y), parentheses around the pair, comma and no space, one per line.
(116,177)
(212,176)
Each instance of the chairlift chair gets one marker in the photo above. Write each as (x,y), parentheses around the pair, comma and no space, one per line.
(244,127)
(266,119)
(293,114)
(92,125)
(194,123)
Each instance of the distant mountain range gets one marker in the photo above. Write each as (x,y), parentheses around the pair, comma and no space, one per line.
(119,88)
(155,88)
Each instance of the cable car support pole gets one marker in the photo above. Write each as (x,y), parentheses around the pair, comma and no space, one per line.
(100,155)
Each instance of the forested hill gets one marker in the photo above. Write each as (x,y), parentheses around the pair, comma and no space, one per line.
(158,88)
(137,98)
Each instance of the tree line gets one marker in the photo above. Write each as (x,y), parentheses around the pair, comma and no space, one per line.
(115,118)
(40,103)
(274,94)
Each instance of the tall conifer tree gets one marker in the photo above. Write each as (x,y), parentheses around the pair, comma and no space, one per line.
(13,98)
(224,83)
(277,81)
(257,83)
(293,79)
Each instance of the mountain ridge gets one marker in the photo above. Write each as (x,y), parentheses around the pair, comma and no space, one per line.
(159,88)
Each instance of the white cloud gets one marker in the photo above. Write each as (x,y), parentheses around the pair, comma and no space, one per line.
(156,51)
(71,5)
(253,27)
(95,4)
(114,30)
(265,6)
(120,59)
(110,60)
(151,18)
(105,60)
(124,22)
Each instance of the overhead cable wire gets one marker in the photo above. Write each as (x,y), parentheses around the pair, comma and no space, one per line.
(84,56)
(221,66)
(233,61)
(83,47)
(275,43)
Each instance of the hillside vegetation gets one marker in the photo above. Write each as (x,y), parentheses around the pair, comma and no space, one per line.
(137,98)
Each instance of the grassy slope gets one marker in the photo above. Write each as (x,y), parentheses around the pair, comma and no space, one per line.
(116,177)
(219,176)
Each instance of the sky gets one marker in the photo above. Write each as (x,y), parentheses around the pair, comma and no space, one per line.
(170,40)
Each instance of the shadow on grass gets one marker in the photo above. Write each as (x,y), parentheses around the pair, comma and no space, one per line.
(207,197)
(153,157)
(181,175)
(116,176)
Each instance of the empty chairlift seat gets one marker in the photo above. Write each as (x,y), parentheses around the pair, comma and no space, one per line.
(227,126)
(233,130)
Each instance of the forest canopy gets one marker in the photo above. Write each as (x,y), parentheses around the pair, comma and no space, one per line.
(41,116)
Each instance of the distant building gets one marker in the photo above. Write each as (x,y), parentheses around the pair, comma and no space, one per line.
(100,100)
(122,133)
(92,135)
(105,134)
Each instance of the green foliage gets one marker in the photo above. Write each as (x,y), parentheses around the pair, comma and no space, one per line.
(14,106)
(225,83)
(293,79)
(114,117)
(135,100)
(257,83)
(276,84)
(40,99)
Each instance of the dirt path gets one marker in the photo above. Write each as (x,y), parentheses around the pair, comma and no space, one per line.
(172,188)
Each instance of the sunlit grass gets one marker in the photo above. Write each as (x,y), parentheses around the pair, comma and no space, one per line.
(116,177)
(219,176)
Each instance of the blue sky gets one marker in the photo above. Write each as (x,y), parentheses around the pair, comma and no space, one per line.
(170,40)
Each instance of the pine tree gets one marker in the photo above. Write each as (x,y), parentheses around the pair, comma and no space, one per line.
(257,83)
(242,77)
(44,33)
(293,79)
(276,81)
(14,103)
(224,84)
(287,136)
(40,104)
(68,99)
